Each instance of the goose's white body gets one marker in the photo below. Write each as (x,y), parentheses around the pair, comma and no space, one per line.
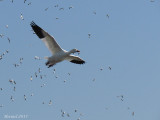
(58,54)
(58,57)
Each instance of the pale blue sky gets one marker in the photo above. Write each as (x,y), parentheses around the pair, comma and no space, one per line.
(128,41)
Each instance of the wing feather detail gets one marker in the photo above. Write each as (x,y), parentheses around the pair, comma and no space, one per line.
(75,59)
(49,41)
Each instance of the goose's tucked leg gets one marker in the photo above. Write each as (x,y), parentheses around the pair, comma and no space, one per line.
(50,66)
(47,63)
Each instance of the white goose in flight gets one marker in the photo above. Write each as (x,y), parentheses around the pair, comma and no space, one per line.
(58,54)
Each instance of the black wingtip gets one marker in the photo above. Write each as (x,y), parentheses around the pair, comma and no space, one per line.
(78,62)
(33,23)
(39,31)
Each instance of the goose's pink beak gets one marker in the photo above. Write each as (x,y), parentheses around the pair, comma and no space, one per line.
(78,51)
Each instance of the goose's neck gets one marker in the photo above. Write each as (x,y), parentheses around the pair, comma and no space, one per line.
(70,52)
(73,51)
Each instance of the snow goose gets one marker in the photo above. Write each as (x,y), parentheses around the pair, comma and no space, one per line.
(58,54)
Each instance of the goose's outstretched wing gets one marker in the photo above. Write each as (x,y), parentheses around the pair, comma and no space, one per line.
(46,38)
(75,59)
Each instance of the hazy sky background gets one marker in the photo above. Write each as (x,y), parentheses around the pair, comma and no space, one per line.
(128,41)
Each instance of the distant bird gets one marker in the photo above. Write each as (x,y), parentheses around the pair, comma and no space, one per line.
(3,54)
(21,17)
(16,65)
(68,115)
(1,35)
(25,1)
(121,97)
(1,105)
(75,110)
(94,12)
(21,59)
(8,39)
(94,79)
(46,9)
(43,85)
(12,1)
(101,69)
(37,58)
(57,18)
(58,54)
(50,102)
(25,98)
(69,73)
(107,15)
(1,57)
(12,81)
(1,88)
(41,76)
(12,98)
(39,70)
(29,3)
(6,26)
(14,89)
(54,71)
(35,74)
(7,51)
(62,113)
(56,5)
(31,78)
(89,35)
(61,8)
(70,7)
(109,68)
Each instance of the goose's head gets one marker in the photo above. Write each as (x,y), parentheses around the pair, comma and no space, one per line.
(74,51)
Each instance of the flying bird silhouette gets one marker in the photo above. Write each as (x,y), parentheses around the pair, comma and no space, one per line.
(58,54)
